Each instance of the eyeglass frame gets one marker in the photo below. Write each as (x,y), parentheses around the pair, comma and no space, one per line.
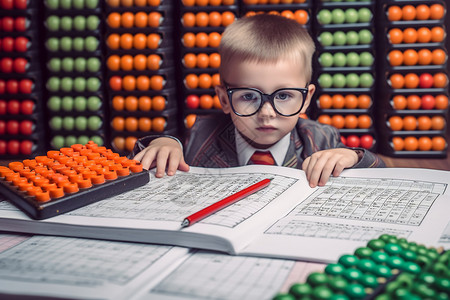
(265,98)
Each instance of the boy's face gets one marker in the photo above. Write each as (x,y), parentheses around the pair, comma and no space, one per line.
(266,127)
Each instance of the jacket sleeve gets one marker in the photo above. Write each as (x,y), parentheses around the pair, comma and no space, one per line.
(318,137)
(143,142)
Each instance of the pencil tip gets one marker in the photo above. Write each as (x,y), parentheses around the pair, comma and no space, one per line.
(185,223)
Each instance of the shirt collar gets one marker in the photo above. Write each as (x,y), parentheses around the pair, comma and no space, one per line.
(245,150)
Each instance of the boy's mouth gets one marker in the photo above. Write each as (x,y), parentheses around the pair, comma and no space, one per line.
(265,128)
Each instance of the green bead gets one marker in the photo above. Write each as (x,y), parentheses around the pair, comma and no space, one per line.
(339,297)
(388,238)
(316,278)
(376,244)
(365,265)
(432,255)
(383,297)
(355,290)
(379,257)
(382,271)
(400,292)
(413,247)
(283,297)
(392,286)
(337,284)
(393,249)
(408,255)
(411,267)
(422,250)
(409,296)
(423,290)
(426,278)
(442,296)
(348,260)
(300,290)
(322,293)
(443,284)
(352,274)
(363,252)
(439,269)
(405,280)
(423,261)
(395,262)
(334,269)
(369,280)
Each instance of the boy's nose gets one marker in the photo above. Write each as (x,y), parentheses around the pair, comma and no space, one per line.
(267,110)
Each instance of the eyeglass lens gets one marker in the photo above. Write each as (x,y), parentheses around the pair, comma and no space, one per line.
(248,102)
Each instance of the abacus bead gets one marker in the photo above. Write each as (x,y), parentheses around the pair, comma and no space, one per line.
(337,284)
(334,269)
(427,278)
(432,255)
(316,278)
(355,290)
(388,238)
(423,290)
(283,297)
(382,271)
(409,296)
(439,269)
(300,290)
(422,250)
(352,274)
(405,280)
(411,267)
(408,255)
(339,297)
(365,265)
(400,292)
(322,293)
(363,252)
(395,262)
(369,280)
(393,249)
(422,261)
(348,260)
(441,296)
(379,257)
(443,284)
(376,244)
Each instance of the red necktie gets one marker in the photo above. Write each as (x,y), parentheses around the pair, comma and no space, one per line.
(262,158)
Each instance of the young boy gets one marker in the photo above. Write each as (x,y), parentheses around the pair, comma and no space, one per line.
(265,85)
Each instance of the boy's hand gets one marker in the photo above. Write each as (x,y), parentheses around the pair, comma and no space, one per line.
(163,153)
(320,165)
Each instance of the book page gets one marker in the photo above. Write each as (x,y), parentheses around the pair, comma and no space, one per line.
(154,212)
(210,275)
(358,206)
(73,268)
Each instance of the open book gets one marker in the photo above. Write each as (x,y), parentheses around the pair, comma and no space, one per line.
(287,219)
(44,267)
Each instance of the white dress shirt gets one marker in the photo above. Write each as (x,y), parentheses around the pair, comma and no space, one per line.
(245,150)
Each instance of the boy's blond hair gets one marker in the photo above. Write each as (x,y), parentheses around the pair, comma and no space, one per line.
(266,38)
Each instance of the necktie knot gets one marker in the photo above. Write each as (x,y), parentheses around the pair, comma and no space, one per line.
(262,158)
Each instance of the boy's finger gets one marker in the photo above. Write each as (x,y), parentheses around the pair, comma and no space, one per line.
(173,163)
(161,162)
(147,159)
(183,166)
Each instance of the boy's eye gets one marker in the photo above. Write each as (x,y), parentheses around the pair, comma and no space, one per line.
(249,96)
(283,96)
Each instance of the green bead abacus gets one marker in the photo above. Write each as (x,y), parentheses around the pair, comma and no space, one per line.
(387,268)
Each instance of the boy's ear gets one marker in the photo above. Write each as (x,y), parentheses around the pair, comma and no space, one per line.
(223,98)
(311,90)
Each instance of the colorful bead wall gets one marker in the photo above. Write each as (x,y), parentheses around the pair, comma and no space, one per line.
(113,71)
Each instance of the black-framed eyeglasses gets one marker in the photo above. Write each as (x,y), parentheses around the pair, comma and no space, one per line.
(246,102)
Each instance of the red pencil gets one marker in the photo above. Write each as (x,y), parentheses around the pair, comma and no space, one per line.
(207,211)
